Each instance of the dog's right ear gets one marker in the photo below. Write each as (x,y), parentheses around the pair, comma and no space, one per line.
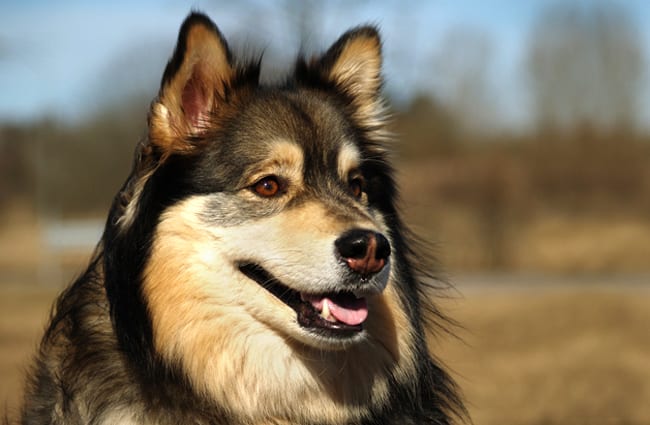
(193,86)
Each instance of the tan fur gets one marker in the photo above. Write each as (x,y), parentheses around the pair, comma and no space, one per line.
(285,158)
(358,71)
(218,323)
(130,209)
(358,67)
(349,160)
(122,417)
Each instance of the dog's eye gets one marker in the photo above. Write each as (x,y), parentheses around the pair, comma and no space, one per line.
(268,187)
(356,187)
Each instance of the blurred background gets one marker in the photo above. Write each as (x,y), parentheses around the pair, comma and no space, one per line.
(523,146)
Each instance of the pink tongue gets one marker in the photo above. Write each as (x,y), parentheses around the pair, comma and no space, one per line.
(346,309)
(353,313)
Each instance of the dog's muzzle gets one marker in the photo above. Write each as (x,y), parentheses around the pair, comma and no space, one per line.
(364,254)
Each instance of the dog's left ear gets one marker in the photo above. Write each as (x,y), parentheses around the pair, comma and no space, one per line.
(353,66)
(353,63)
(193,87)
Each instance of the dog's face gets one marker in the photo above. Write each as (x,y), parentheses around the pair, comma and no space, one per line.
(285,223)
(271,261)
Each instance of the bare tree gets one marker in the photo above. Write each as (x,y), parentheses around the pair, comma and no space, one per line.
(586,66)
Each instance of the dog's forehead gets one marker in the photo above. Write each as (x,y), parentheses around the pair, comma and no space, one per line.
(310,121)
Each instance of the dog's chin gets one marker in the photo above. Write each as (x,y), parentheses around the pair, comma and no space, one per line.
(332,319)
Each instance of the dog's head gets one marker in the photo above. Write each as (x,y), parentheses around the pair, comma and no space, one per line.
(257,238)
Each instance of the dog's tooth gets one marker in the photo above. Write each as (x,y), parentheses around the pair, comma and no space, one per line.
(326,310)
(325,313)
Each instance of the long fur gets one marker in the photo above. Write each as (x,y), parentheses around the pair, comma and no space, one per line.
(162,329)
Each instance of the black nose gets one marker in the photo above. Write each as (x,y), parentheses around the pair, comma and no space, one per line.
(364,251)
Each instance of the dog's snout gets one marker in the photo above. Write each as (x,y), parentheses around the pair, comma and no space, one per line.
(364,251)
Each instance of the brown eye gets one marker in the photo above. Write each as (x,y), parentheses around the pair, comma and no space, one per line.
(356,187)
(267,187)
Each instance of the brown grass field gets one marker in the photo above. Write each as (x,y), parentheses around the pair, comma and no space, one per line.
(556,353)
(551,352)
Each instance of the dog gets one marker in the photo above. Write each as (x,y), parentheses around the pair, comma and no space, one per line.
(254,268)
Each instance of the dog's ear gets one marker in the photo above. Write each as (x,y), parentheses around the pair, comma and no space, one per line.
(353,63)
(193,86)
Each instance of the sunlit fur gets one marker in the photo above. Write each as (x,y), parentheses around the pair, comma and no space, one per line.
(224,329)
(164,327)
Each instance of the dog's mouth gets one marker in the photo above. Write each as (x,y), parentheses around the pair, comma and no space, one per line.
(339,314)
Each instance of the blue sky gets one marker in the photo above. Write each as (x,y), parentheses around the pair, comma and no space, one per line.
(59,58)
